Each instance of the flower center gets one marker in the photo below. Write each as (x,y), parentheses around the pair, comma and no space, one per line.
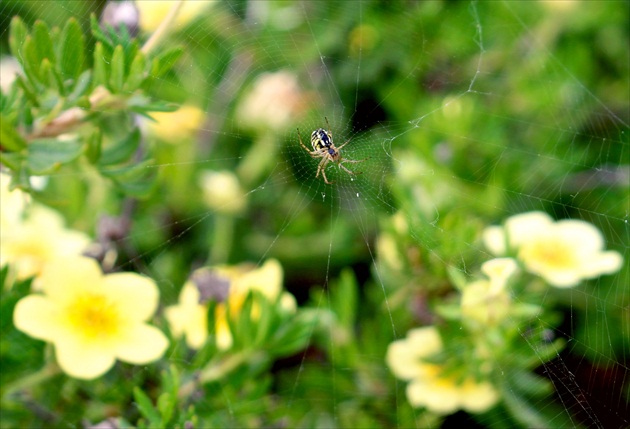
(549,253)
(94,316)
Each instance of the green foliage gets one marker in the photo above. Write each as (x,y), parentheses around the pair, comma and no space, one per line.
(464,121)
(63,94)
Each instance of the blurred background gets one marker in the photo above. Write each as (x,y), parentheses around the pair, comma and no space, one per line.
(461,115)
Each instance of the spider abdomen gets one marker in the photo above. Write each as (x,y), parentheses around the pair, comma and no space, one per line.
(320,138)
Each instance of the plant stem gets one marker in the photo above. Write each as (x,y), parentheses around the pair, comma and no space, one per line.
(221,239)
(161,31)
(216,370)
(48,371)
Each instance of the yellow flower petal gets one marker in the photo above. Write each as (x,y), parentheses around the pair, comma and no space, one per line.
(477,397)
(38,317)
(189,296)
(63,278)
(607,263)
(425,341)
(92,318)
(521,227)
(188,317)
(494,239)
(499,271)
(267,279)
(437,397)
(141,344)
(222,192)
(136,296)
(567,252)
(39,239)
(404,356)
(83,360)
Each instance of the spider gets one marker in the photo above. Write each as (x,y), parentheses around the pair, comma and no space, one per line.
(323,147)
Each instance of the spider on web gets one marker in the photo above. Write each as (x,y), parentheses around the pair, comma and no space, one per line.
(324,148)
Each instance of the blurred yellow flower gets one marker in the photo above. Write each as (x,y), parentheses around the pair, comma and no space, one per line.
(177,126)
(499,271)
(92,319)
(13,205)
(387,250)
(563,253)
(274,101)
(36,240)
(189,317)
(153,12)
(428,386)
(487,301)
(267,280)
(223,192)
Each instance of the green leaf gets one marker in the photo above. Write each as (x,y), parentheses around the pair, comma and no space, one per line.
(143,105)
(94,146)
(10,138)
(344,299)
(50,76)
(117,77)
(17,37)
(294,336)
(164,61)
(46,155)
(267,319)
(98,33)
(30,62)
(137,180)
(100,66)
(81,87)
(456,277)
(146,408)
(523,411)
(121,150)
(166,405)
(245,326)
(12,160)
(71,50)
(529,383)
(136,72)
(28,92)
(43,41)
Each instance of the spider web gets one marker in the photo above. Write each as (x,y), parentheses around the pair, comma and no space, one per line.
(472,116)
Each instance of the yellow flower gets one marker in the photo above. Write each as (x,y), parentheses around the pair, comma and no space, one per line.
(487,301)
(92,319)
(173,127)
(499,271)
(152,12)
(38,239)
(563,253)
(13,205)
(428,386)
(274,101)
(189,317)
(387,250)
(223,192)
(267,280)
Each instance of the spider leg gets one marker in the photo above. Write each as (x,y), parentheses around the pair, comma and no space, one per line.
(322,169)
(302,144)
(349,171)
(326,178)
(348,141)
(352,161)
(321,166)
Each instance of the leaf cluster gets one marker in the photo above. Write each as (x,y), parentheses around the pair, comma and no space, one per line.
(77,102)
